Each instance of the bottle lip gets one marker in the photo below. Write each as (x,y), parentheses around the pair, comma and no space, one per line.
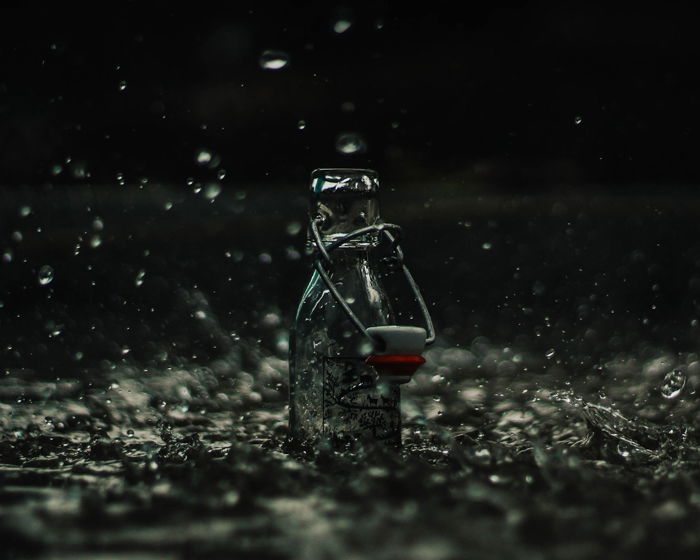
(340,180)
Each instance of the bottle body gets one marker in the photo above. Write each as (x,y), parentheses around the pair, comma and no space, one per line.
(334,394)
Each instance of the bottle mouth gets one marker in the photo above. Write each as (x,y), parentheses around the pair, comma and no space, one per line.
(344,181)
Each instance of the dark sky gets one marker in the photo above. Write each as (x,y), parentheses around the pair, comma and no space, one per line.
(531,97)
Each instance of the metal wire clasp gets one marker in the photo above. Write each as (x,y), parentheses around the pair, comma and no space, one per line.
(392,232)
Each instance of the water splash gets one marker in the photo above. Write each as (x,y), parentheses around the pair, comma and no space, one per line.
(673,384)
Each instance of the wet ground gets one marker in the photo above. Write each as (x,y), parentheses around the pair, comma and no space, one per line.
(142,406)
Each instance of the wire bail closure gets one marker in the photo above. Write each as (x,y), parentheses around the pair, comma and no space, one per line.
(392,232)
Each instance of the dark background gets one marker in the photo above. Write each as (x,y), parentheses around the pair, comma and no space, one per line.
(540,158)
(483,93)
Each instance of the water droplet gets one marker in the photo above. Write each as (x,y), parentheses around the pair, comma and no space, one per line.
(45,275)
(265,258)
(673,384)
(139,277)
(301,125)
(486,246)
(95,241)
(79,171)
(350,143)
(24,211)
(212,191)
(130,433)
(578,119)
(200,314)
(273,60)
(293,228)
(221,174)
(56,169)
(7,256)
(550,353)
(342,25)
(203,157)
(98,224)
(17,236)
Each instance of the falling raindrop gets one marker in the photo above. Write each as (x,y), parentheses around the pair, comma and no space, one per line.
(550,353)
(301,125)
(578,119)
(203,156)
(122,85)
(342,25)
(350,143)
(212,191)
(221,174)
(673,384)
(45,275)
(273,60)
(293,228)
(139,277)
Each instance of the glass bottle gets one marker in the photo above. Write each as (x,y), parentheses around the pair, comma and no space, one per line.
(334,393)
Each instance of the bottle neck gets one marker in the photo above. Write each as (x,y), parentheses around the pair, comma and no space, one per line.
(336,215)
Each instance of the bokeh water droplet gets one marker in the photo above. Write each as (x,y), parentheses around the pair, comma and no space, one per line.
(203,156)
(24,211)
(212,191)
(673,384)
(139,277)
(293,228)
(122,85)
(578,119)
(273,60)
(342,25)
(301,125)
(45,275)
(350,143)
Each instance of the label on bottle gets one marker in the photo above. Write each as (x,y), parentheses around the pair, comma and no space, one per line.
(355,405)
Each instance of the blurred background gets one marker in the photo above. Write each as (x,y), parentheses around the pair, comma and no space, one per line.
(527,97)
(155,160)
